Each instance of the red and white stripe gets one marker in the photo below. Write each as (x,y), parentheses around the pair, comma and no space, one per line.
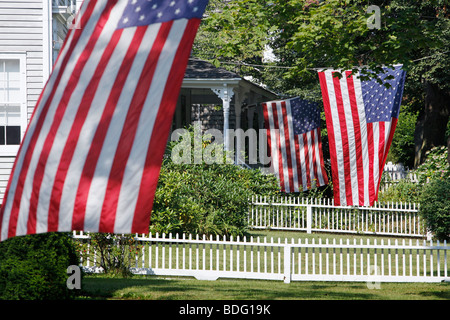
(297,160)
(358,149)
(91,156)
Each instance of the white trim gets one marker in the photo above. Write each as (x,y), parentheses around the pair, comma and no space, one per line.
(21,56)
(47,37)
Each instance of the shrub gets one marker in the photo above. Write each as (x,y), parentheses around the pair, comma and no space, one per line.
(435,166)
(205,198)
(34,267)
(115,252)
(402,148)
(435,207)
(402,191)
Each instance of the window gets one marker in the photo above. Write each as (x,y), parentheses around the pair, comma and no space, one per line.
(12,102)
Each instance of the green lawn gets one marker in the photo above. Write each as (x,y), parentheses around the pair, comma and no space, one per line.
(177,288)
(158,288)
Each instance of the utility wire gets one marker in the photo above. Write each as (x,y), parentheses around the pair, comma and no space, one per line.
(317,68)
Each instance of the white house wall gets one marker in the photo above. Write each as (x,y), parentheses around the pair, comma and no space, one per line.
(21,30)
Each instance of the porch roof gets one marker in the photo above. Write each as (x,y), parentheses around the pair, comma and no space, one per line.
(203,74)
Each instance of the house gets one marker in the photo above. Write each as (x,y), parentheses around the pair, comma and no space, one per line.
(219,99)
(31,34)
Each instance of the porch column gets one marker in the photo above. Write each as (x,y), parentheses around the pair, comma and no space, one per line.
(226,94)
(238,109)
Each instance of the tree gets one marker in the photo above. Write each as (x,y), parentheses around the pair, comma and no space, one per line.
(307,34)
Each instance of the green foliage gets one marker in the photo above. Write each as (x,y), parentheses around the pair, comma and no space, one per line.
(115,252)
(402,191)
(435,166)
(435,207)
(34,267)
(402,148)
(206,198)
(305,35)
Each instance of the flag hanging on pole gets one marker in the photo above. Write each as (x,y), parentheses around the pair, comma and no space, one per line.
(361,117)
(91,156)
(293,134)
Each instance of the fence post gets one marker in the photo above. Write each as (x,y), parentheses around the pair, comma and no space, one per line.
(287,263)
(308,218)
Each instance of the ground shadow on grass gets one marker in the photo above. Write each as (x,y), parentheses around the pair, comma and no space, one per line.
(105,288)
(303,291)
(222,289)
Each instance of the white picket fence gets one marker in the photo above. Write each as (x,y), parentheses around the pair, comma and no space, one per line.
(295,260)
(393,173)
(321,215)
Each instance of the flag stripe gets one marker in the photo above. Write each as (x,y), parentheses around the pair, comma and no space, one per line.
(88,19)
(361,122)
(95,119)
(161,128)
(277,124)
(306,161)
(129,131)
(345,154)
(292,150)
(108,120)
(301,180)
(298,159)
(93,150)
(323,177)
(357,140)
(71,87)
(326,93)
(287,148)
(74,134)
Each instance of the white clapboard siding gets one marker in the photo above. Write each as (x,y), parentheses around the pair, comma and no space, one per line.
(22,31)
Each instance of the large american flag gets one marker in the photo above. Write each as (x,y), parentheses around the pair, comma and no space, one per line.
(91,156)
(361,117)
(293,133)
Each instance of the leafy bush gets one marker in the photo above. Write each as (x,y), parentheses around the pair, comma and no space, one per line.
(34,267)
(435,207)
(402,191)
(435,166)
(206,198)
(402,148)
(115,252)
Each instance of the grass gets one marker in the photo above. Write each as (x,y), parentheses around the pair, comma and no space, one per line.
(102,287)
(157,288)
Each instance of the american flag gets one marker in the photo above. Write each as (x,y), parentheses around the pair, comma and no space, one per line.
(293,133)
(361,117)
(91,156)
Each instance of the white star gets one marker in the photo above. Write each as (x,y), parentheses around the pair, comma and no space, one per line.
(172,3)
(142,17)
(125,20)
(138,9)
(154,6)
(177,11)
(195,9)
(160,14)
(133,1)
